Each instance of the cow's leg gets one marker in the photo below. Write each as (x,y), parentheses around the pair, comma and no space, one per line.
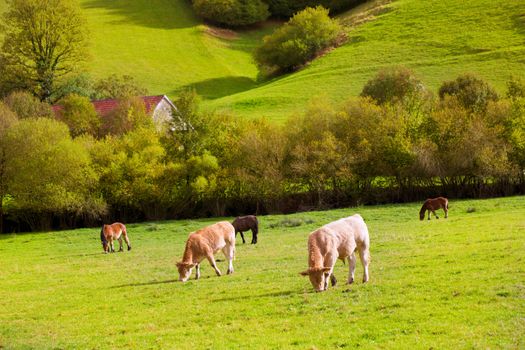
(229,253)
(428,211)
(351,268)
(211,259)
(111,246)
(364,254)
(434,212)
(445,209)
(254,236)
(197,271)
(126,238)
(120,244)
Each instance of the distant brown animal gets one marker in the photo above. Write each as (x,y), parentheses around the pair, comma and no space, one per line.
(433,204)
(337,240)
(245,223)
(203,244)
(109,233)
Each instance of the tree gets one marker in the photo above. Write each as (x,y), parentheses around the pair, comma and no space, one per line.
(397,84)
(78,113)
(298,40)
(49,173)
(44,40)
(118,87)
(232,12)
(472,92)
(26,105)
(7,120)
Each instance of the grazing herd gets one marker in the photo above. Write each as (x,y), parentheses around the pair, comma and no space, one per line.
(340,239)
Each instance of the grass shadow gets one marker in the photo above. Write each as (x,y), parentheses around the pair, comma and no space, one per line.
(212,89)
(151,283)
(250,296)
(161,14)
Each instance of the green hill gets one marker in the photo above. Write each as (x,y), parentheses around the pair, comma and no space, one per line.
(163,45)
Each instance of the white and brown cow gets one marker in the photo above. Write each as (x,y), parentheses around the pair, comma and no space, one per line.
(203,244)
(337,240)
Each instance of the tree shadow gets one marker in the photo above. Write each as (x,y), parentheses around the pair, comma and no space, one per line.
(159,14)
(212,89)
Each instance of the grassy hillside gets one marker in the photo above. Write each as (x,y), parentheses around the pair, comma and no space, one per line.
(438,39)
(163,45)
(444,284)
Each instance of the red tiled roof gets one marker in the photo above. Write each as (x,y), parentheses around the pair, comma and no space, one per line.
(104,107)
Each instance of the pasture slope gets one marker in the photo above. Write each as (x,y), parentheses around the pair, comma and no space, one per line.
(166,48)
(442,284)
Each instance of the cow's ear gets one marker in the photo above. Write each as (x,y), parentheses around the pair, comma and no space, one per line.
(305,273)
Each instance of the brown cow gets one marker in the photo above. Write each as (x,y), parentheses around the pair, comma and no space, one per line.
(112,232)
(202,244)
(337,240)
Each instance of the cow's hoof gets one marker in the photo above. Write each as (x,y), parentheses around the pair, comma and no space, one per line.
(129,248)
(333,280)
(350,281)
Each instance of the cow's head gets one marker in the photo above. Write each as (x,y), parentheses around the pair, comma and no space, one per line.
(318,277)
(185,270)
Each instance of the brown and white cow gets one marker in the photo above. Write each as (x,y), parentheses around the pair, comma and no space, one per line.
(337,240)
(203,244)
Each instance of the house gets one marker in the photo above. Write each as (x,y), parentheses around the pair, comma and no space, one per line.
(160,107)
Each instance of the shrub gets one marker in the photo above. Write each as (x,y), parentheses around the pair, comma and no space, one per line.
(287,8)
(393,85)
(79,115)
(472,92)
(26,105)
(119,87)
(298,40)
(232,12)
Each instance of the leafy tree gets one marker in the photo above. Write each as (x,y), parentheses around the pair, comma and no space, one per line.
(397,84)
(78,113)
(118,87)
(65,180)
(7,119)
(472,92)
(299,40)
(129,115)
(44,40)
(232,12)
(26,105)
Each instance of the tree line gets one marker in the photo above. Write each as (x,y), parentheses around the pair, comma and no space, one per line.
(395,142)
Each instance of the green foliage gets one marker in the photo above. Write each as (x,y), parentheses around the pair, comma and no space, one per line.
(43,41)
(232,12)
(65,180)
(129,115)
(398,84)
(299,40)
(26,105)
(287,8)
(516,88)
(79,115)
(472,92)
(117,87)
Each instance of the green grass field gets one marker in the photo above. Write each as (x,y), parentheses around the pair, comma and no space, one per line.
(442,284)
(166,48)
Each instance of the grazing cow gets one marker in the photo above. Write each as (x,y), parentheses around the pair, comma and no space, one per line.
(109,233)
(203,244)
(433,204)
(245,223)
(337,240)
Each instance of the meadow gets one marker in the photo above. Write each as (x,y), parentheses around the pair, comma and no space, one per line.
(166,48)
(446,284)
